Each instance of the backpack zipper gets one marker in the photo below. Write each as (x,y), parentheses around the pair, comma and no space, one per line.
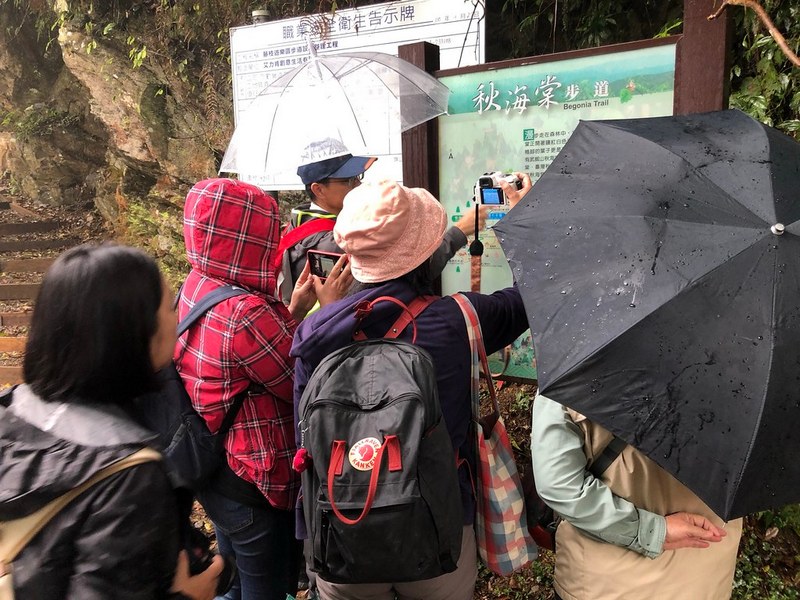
(348,407)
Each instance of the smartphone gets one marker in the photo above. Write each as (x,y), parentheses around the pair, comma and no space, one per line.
(322,262)
(492,196)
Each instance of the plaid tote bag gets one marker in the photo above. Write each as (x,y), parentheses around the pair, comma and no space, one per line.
(501,527)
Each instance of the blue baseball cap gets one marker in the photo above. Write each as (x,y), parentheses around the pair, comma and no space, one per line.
(329,158)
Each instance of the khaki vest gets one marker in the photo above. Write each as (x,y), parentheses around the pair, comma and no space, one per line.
(590,570)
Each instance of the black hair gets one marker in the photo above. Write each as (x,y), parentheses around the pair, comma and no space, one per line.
(420,279)
(94,317)
(309,192)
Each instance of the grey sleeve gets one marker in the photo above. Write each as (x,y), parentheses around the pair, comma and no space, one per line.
(453,240)
(562,481)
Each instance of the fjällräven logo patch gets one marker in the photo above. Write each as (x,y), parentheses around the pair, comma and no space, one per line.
(362,454)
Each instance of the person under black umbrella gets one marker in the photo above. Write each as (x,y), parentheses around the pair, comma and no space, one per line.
(662,296)
(637,532)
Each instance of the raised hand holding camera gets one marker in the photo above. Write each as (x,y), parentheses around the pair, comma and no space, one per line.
(488,189)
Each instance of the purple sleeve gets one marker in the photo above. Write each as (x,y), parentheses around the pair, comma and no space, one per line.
(502,316)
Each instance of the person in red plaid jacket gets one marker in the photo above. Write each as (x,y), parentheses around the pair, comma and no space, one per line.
(231,230)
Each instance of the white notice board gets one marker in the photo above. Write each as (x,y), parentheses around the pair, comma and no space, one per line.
(261,53)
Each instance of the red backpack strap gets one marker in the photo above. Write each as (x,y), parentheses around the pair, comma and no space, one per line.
(390,446)
(407,316)
(301,232)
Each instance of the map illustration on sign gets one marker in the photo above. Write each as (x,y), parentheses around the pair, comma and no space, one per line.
(518,119)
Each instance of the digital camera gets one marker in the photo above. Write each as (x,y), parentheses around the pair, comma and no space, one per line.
(198,546)
(488,190)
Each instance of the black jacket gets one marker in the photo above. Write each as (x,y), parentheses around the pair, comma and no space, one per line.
(119,539)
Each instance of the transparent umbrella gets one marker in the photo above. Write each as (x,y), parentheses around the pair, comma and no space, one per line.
(355,97)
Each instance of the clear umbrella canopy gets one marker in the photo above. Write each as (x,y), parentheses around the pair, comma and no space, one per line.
(354,97)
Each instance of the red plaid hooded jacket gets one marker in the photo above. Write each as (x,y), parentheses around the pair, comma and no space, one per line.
(231,230)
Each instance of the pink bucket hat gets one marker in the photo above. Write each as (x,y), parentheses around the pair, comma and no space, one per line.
(388,229)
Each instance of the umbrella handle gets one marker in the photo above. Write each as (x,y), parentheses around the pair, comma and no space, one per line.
(476,250)
(475,253)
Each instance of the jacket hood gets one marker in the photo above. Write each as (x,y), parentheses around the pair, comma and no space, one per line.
(231,230)
(332,327)
(48,448)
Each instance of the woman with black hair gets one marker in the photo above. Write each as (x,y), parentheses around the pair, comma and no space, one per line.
(102,325)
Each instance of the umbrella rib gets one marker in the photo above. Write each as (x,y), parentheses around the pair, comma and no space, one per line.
(685,289)
(413,83)
(293,75)
(684,161)
(763,403)
(357,122)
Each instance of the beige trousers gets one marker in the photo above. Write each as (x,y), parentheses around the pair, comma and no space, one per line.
(458,585)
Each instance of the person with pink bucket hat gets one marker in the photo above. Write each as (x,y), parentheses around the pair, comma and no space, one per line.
(390,232)
(329,172)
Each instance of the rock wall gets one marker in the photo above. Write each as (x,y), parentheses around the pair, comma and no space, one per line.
(79,124)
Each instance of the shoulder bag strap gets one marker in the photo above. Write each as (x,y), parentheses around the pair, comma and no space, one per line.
(478,356)
(213,298)
(16,534)
(415,308)
(302,231)
(607,456)
(229,418)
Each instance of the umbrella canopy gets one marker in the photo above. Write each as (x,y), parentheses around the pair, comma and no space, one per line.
(659,262)
(351,97)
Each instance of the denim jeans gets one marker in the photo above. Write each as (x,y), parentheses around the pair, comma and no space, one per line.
(263,542)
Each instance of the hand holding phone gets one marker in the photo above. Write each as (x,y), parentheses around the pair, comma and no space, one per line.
(333,278)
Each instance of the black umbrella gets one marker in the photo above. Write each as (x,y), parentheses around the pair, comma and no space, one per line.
(659,262)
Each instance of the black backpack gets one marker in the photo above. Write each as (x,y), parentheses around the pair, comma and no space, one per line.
(381,494)
(192,453)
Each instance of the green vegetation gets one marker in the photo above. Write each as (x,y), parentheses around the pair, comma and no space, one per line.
(36,121)
(764,83)
(764,568)
(156,224)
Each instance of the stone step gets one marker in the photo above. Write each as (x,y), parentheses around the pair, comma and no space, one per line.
(26,265)
(24,212)
(51,244)
(32,227)
(12,344)
(12,319)
(10,375)
(19,291)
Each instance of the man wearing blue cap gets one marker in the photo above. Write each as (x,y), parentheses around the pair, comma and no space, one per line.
(329,171)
